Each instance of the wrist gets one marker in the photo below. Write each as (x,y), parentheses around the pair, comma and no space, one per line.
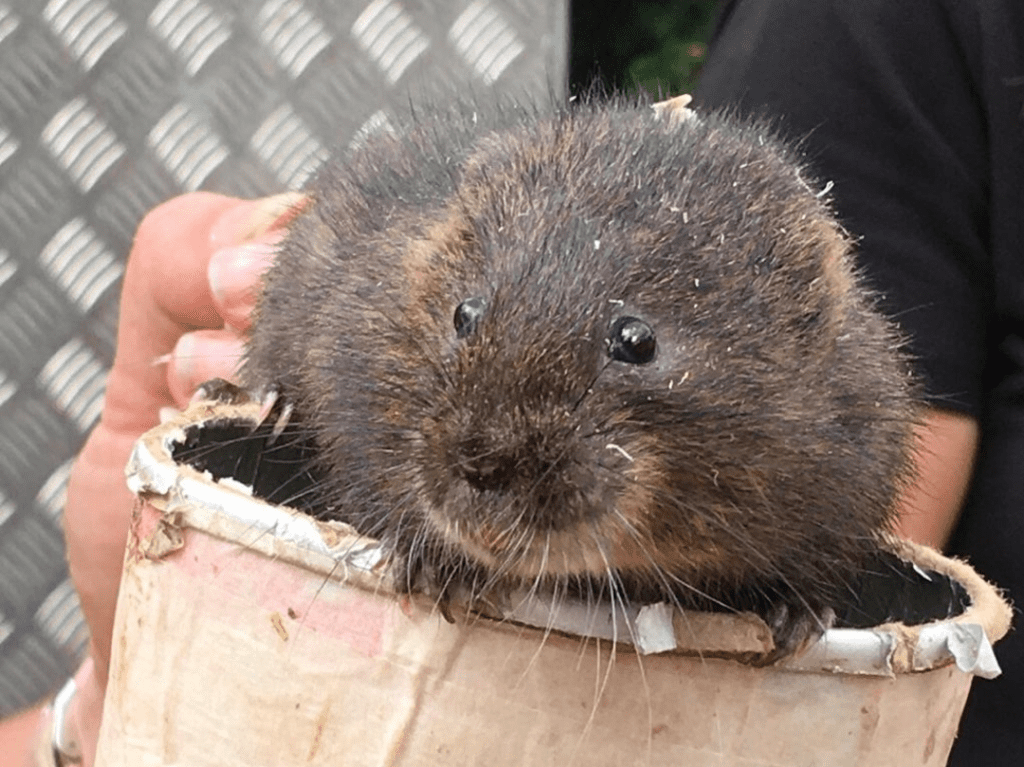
(68,728)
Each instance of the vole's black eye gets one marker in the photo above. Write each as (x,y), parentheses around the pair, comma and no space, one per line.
(631,340)
(468,314)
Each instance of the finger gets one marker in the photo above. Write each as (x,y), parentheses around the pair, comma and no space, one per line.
(236,273)
(253,220)
(165,292)
(200,356)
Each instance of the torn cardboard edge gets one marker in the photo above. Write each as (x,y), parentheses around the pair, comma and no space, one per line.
(226,509)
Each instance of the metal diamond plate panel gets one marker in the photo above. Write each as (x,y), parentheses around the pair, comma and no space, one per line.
(292,33)
(485,40)
(390,37)
(81,143)
(108,107)
(191,29)
(87,28)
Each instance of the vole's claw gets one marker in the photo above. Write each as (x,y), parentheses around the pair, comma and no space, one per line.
(271,402)
(268,398)
(281,422)
(793,629)
(221,391)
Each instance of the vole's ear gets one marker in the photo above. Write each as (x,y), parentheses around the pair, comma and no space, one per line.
(675,109)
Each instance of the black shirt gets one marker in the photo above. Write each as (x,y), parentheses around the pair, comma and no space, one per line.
(914,109)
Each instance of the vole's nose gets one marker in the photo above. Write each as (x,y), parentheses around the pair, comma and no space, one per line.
(532,479)
(486,467)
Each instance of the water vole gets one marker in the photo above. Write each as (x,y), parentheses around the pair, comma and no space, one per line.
(591,349)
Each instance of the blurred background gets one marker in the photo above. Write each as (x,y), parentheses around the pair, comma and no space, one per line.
(655,46)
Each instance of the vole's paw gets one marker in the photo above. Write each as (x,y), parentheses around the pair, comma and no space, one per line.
(794,626)
(272,404)
(222,391)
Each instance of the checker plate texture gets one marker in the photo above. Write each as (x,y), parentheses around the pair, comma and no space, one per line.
(108,107)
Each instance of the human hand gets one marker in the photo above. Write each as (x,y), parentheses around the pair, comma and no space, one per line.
(947,445)
(190,284)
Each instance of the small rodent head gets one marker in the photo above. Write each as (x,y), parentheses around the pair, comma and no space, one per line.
(603,345)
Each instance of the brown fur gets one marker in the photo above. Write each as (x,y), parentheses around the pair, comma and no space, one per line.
(754,462)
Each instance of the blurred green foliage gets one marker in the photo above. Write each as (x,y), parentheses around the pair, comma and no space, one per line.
(652,45)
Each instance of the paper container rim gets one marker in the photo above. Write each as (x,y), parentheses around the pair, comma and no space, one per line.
(227,510)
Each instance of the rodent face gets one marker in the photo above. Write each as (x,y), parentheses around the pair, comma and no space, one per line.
(538,456)
(602,346)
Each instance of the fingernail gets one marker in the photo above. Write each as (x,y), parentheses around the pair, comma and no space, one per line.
(253,218)
(204,350)
(181,366)
(200,356)
(234,273)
